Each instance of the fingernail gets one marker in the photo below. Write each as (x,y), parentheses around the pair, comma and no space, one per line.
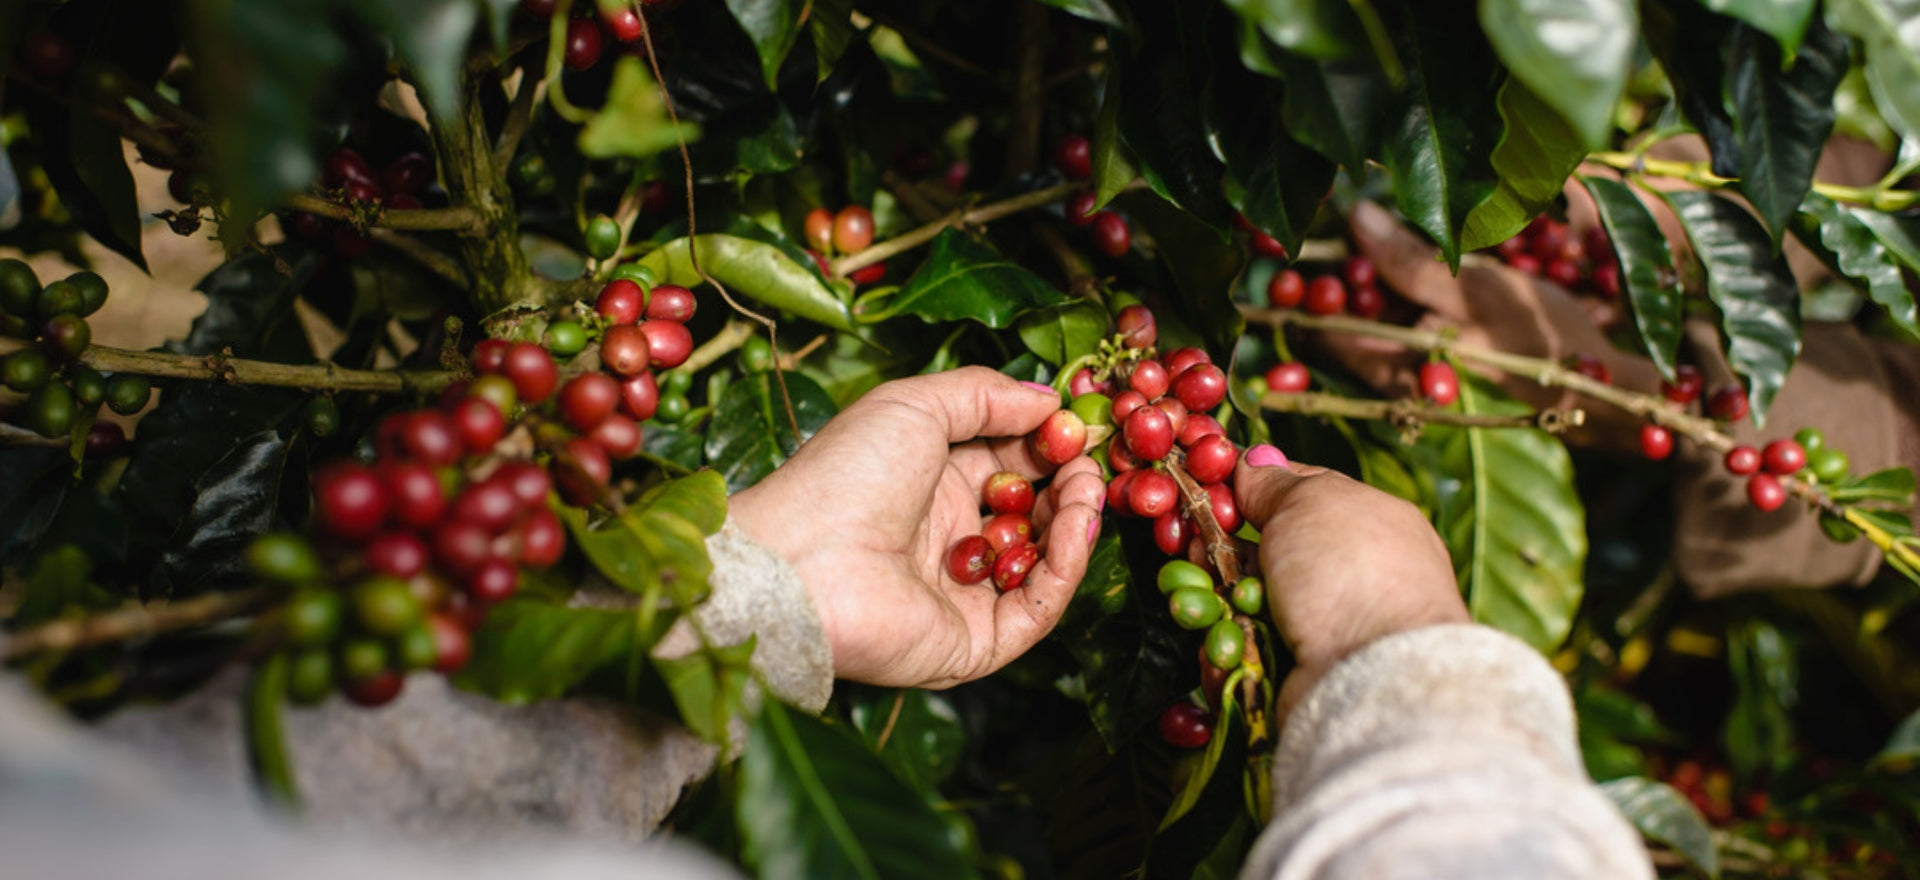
(1093,529)
(1043,389)
(1266,455)
(1100,502)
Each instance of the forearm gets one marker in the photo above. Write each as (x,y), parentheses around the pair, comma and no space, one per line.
(1442,751)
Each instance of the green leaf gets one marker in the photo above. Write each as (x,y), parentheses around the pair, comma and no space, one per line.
(1890,32)
(754,269)
(1574,54)
(1201,774)
(267,753)
(1783,20)
(1112,171)
(659,540)
(1665,816)
(1690,43)
(1522,569)
(1900,236)
(924,739)
(1646,268)
(700,499)
(433,37)
(1860,254)
(1758,300)
(1902,749)
(1276,181)
(1782,119)
(235,502)
(815,802)
(1766,686)
(831,23)
(1533,159)
(60,580)
(966,278)
(1064,331)
(1096,11)
(750,435)
(81,155)
(773,25)
(707,690)
(1321,29)
(1203,264)
(1131,664)
(1162,122)
(529,649)
(1340,109)
(1893,486)
(1440,145)
(634,122)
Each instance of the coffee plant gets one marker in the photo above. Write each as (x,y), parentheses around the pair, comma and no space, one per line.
(514,293)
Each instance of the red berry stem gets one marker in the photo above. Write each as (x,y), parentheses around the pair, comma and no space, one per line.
(881,251)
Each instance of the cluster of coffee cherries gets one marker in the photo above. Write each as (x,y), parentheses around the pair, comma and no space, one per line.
(592,27)
(1073,157)
(1548,249)
(1353,289)
(346,173)
(61,392)
(847,231)
(1806,454)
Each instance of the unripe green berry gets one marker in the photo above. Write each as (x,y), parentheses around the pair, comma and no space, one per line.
(59,298)
(566,338)
(362,658)
(25,370)
(675,382)
(1810,439)
(50,410)
(311,618)
(1180,574)
(497,390)
(637,274)
(603,237)
(1249,596)
(1226,644)
(89,387)
(384,606)
(756,355)
(415,648)
(672,409)
(127,393)
(19,287)
(1195,608)
(309,676)
(1829,465)
(284,558)
(322,416)
(93,291)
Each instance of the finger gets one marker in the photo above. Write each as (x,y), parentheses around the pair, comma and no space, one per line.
(1261,489)
(1409,264)
(980,459)
(969,402)
(1024,616)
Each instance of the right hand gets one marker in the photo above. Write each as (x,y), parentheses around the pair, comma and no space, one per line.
(1344,564)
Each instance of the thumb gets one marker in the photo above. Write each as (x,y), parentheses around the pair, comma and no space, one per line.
(1263,479)
(1408,263)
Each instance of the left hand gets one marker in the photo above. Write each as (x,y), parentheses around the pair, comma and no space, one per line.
(868,508)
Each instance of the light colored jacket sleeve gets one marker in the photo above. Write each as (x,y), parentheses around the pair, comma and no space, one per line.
(1442,752)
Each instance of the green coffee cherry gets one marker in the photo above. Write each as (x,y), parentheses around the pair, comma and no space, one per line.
(672,409)
(384,606)
(49,411)
(1810,439)
(93,291)
(284,558)
(497,390)
(312,616)
(127,393)
(322,416)
(1180,574)
(756,355)
(637,274)
(603,237)
(25,370)
(59,298)
(310,676)
(89,387)
(66,336)
(1093,408)
(415,648)
(532,174)
(566,338)
(362,658)
(1829,465)
(1195,608)
(1249,595)
(13,326)
(1226,644)
(674,382)
(19,287)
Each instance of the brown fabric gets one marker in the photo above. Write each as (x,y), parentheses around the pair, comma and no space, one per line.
(1861,395)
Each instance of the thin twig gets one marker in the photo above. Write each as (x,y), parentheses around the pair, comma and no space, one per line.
(463,220)
(241,371)
(1701,174)
(14,435)
(135,622)
(422,253)
(1410,414)
(882,251)
(519,114)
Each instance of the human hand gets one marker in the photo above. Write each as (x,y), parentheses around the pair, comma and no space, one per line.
(1344,563)
(868,508)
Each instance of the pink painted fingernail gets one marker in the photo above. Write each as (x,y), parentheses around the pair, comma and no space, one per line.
(1093,530)
(1043,389)
(1265,455)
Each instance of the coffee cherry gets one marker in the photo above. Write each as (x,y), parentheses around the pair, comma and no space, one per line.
(384,606)
(363,657)
(429,438)
(1125,403)
(1326,296)
(343,166)
(1211,459)
(970,560)
(309,676)
(399,554)
(452,646)
(1606,280)
(1810,439)
(1186,726)
(1593,368)
(532,371)
(1136,326)
(489,504)
(1685,386)
(1366,301)
(1728,403)
(1061,438)
(1176,412)
(490,355)
(320,414)
(640,396)
(1080,206)
(1195,608)
(852,229)
(1199,426)
(819,229)
(1111,235)
(868,274)
(1005,530)
(461,546)
(1827,464)
(1171,531)
(583,52)
(1120,460)
(1226,511)
(410,173)
(26,370)
(1287,289)
(363,192)
(1120,489)
(671,302)
(479,425)
(1526,263)
(350,501)
(284,558)
(1248,596)
(1742,460)
(620,302)
(105,440)
(1783,457)
(1200,387)
(374,691)
(1073,155)
(1152,493)
(623,23)
(1765,492)
(416,495)
(1184,359)
(542,540)
(1012,565)
(1266,245)
(620,436)
(1439,383)
(414,647)
(1150,379)
(1359,272)
(50,410)
(1093,408)
(673,408)
(566,338)
(1148,433)
(47,55)
(127,394)
(311,617)
(1656,443)
(587,399)
(582,483)
(1565,273)
(495,580)
(1008,492)
(1179,574)
(1226,644)
(93,291)
(1291,377)
(668,342)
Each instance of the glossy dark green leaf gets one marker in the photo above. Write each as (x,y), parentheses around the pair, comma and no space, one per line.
(848,367)
(1212,839)
(1532,161)
(1613,726)
(966,278)
(1690,43)
(753,269)
(1131,665)
(1275,181)
(1663,815)
(1890,32)
(1203,265)
(1782,118)
(773,26)
(831,23)
(1112,170)
(1758,300)
(749,434)
(1063,332)
(1893,486)
(1160,120)
(1440,145)
(1764,663)
(267,753)
(634,122)
(1861,255)
(432,36)
(1340,109)
(81,155)
(1573,54)
(1096,11)
(1783,20)
(700,499)
(235,502)
(1647,275)
(1322,29)
(43,476)
(250,310)
(923,736)
(815,802)
(531,650)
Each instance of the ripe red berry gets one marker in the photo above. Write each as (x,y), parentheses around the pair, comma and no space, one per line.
(1211,459)
(818,228)
(532,370)
(408,174)
(376,691)
(1079,208)
(479,424)
(490,355)
(620,436)
(401,554)
(1606,280)
(1526,263)
(1326,295)
(1359,272)
(620,302)
(1783,457)
(868,274)
(970,560)
(1201,387)
(1084,383)
(640,396)
(1111,235)
(1593,368)
(1439,383)
(1176,413)
(1226,511)
(1565,273)
(1546,235)
(1120,491)
(1742,460)
(1291,377)
(1125,403)
(452,646)
(582,482)
(1060,438)
(1656,443)
(669,342)
(1685,386)
(1171,531)
(489,504)
(1186,726)
(1266,245)
(1152,493)
(626,350)
(542,539)
(343,166)
(1199,426)
(1136,326)
(1287,289)
(1149,378)
(430,438)
(623,23)
(1183,359)
(1012,565)
(589,398)
(852,229)
(47,55)
(1728,403)
(416,494)
(1005,530)
(460,546)
(1073,155)
(671,302)
(1765,491)
(583,44)
(493,581)
(1008,492)
(528,481)
(1366,301)
(1148,433)
(105,439)
(349,500)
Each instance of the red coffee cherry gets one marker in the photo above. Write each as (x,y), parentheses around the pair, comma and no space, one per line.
(1012,565)
(1120,491)
(1525,263)
(620,302)
(1184,359)
(105,439)
(408,174)
(819,229)
(1565,273)
(970,560)
(640,396)
(1366,301)
(1226,511)
(479,424)
(583,44)
(1171,531)
(1593,368)
(626,350)
(374,692)
(532,370)
(47,55)
(1176,413)
(1728,403)
(349,500)
(1201,387)
(430,438)
(1656,443)
(489,504)
(1079,208)
(1073,155)
(1005,530)
(460,546)
(1148,433)
(1685,386)
(452,646)
(588,399)
(1359,272)
(669,342)
(490,355)
(416,494)
(1150,379)
(1439,382)
(868,274)
(1287,289)
(1084,383)
(1291,377)
(1326,296)
(1606,280)
(622,22)
(542,539)
(1742,460)
(1266,245)
(1212,458)
(1199,426)
(495,580)
(401,554)
(1008,492)
(1765,492)
(1125,403)
(1152,493)
(852,229)
(1186,726)
(1060,438)
(1111,235)
(528,481)
(1783,457)
(1136,326)
(620,436)
(582,483)
(1122,460)
(671,302)
(343,166)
